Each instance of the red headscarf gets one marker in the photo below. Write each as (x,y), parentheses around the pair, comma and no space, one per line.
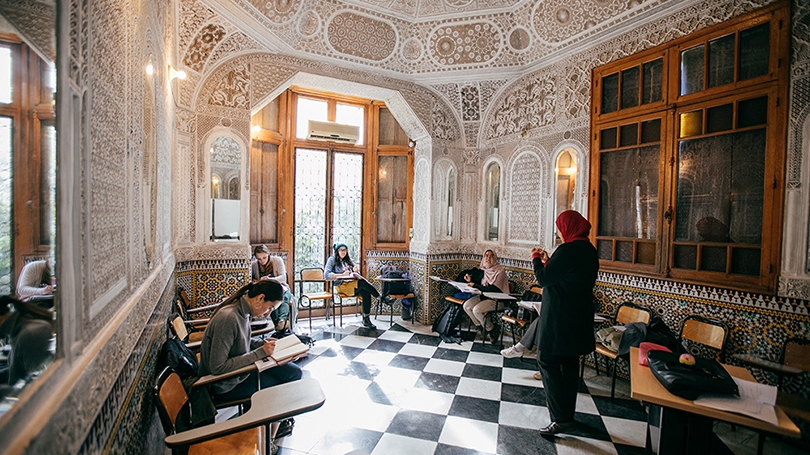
(573,226)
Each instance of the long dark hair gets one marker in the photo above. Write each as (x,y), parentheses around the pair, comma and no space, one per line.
(344,261)
(24,308)
(272,292)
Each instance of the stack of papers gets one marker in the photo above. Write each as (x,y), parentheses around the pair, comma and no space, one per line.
(464,287)
(755,400)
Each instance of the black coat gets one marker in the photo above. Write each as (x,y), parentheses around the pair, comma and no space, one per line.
(566,315)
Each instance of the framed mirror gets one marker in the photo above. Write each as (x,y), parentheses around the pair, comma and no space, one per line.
(226,171)
(492,179)
(27,195)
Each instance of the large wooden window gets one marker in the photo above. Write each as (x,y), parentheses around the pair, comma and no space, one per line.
(689,138)
(27,158)
(307,194)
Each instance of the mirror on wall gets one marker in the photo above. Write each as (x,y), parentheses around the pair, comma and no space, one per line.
(451,200)
(27,195)
(493,200)
(149,168)
(226,168)
(565,172)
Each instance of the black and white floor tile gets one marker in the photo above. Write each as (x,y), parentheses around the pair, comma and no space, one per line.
(392,391)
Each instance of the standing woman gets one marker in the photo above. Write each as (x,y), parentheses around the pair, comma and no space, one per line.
(340,265)
(495,280)
(565,329)
(269,267)
(227,346)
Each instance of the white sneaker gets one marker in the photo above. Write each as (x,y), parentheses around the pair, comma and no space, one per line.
(511,352)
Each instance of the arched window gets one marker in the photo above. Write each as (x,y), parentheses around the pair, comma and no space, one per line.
(493,200)
(565,173)
(451,198)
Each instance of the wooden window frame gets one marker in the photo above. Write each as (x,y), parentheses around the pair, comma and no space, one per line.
(774,84)
(27,112)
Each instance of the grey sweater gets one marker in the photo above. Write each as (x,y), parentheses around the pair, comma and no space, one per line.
(226,345)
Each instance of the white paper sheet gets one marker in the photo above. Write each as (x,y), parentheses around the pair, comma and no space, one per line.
(755,400)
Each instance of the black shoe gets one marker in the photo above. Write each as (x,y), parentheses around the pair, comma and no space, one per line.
(494,334)
(556,428)
(367,322)
(285,428)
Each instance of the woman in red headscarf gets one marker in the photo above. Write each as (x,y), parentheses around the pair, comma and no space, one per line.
(565,328)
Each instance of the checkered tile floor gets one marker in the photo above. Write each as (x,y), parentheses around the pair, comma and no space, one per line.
(390,391)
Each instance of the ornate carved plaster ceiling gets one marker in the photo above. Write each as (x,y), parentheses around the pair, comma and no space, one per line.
(436,39)
(35,21)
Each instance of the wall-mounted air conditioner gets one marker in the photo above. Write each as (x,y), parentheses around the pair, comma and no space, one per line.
(330,131)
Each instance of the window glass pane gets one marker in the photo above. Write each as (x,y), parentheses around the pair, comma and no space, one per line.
(308,109)
(390,131)
(628,200)
(608,140)
(754,51)
(691,123)
(651,131)
(745,261)
(48,79)
(392,190)
(752,112)
(685,257)
(310,209)
(47,184)
(721,188)
(721,61)
(6,70)
(629,135)
(351,114)
(713,258)
(347,200)
(719,118)
(493,180)
(5,205)
(653,81)
(630,87)
(610,93)
(692,70)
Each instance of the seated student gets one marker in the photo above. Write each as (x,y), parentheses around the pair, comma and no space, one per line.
(227,346)
(30,331)
(264,266)
(35,279)
(340,265)
(495,280)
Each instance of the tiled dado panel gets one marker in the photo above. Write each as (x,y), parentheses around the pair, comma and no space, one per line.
(128,420)
(210,281)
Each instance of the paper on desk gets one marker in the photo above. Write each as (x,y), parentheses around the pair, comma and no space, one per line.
(529,305)
(464,287)
(755,400)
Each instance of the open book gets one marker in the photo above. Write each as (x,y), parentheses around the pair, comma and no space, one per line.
(286,348)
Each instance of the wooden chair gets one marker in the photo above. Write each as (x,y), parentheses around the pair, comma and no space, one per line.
(247,434)
(705,331)
(520,319)
(626,314)
(339,298)
(313,275)
(394,298)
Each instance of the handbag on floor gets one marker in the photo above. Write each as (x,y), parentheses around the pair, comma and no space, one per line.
(689,381)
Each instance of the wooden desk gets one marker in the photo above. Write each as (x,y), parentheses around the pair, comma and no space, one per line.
(679,426)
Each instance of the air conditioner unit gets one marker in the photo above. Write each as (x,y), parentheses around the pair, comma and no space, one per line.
(330,131)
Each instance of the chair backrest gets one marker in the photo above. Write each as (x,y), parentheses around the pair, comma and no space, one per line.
(796,354)
(630,312)
(536,290)
(709,332)
(171,399)
(313,273)
(179,328)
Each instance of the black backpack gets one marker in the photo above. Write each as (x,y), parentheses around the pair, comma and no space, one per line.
(178,356)
(446,325)
(394,287)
